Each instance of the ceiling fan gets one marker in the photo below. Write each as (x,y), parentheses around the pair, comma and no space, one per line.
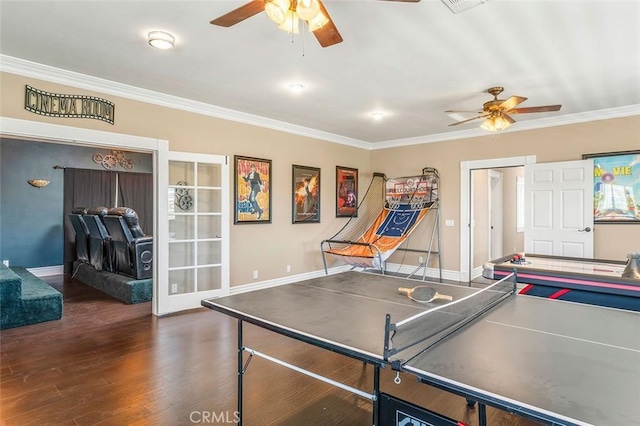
(286,13)
(496,112)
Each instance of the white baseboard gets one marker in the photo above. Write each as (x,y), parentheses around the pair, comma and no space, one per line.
(430,272)
(286,280)
(476,272)
(46,271)
(402,269)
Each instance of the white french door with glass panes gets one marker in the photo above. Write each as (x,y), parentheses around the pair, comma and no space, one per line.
(198,216)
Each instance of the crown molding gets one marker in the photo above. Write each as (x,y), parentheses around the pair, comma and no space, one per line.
(561,120)
(43,72)
(22,67)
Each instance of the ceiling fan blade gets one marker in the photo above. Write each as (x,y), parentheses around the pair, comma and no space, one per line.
(470,119)
(328,35)
(458,110)
(512,102)
(508,119)
(526,110)
(240,14)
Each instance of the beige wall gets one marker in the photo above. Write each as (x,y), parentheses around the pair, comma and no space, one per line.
(560,143)
(480,189)
(269,248)
(512,241)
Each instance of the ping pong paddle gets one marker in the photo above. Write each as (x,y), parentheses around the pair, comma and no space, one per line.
(424,294)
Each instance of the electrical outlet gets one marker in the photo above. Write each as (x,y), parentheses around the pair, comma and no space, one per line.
(449,222)
(420,260)
(6,262)
(174,288)
(255,275)
(288,268)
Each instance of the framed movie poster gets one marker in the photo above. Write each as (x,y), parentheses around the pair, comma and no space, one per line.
(346,192)
(616,187)
(306,194)
(252,190)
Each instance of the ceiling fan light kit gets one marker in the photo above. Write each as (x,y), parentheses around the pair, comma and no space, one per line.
(290,23)
(497,122)
(287,14)
(276,10)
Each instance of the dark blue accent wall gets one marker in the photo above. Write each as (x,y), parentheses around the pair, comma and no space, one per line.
(31,222)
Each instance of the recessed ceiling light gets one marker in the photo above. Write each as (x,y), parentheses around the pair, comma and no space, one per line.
(377,115)
(296,87)
(161,40)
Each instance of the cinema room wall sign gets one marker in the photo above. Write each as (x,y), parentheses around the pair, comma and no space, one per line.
(68,106)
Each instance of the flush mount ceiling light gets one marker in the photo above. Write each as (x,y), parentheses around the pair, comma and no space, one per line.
(296,87)
(377,115)
(161,40)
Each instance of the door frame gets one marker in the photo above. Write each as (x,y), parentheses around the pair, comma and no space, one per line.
(159,148)
(494,175)
(465,202)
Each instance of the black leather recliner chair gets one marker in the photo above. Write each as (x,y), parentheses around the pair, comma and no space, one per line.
(100,253)
(133,251)
(82,233)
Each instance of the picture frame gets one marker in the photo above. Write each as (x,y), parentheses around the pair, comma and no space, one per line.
(252,190)
(616,188)
(346,192)
(305,194)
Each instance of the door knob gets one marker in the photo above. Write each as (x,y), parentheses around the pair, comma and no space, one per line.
(587,229)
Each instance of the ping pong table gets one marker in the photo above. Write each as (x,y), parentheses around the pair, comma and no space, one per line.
(556,362)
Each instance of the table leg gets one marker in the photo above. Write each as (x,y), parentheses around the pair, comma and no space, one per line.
(240,373)
(482,414)
(376,394)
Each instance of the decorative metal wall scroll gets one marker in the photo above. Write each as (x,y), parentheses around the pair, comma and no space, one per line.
(116,158)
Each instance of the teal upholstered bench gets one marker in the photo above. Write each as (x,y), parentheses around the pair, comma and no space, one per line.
(26,299)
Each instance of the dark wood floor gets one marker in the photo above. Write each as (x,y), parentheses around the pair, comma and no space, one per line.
(115,364)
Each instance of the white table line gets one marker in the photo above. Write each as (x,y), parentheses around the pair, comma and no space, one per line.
(565,336)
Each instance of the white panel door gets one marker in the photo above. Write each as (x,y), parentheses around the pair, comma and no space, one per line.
(559,208)
(198,230)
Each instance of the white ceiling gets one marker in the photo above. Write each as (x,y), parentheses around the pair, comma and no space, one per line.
(411,60)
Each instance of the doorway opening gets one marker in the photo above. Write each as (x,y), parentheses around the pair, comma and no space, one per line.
(51,133)
(467,208)
(495,206)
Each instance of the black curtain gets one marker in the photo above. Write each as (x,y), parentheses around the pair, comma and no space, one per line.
(136,192)
(84,188)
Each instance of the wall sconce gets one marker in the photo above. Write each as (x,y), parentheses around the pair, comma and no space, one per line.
(38,183)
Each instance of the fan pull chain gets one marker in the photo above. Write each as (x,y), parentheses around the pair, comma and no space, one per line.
(303,32)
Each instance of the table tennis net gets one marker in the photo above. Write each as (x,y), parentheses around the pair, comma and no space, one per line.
(416,334)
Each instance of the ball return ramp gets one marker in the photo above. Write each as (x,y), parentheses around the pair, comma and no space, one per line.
(389,213)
